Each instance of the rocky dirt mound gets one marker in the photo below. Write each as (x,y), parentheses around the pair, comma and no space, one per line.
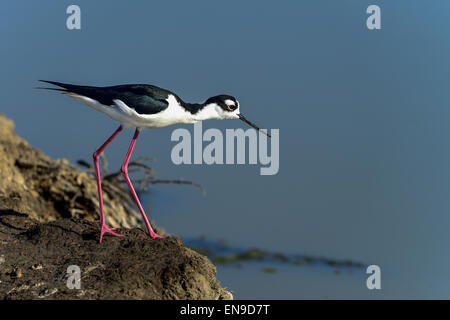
(49,221)
(34,258)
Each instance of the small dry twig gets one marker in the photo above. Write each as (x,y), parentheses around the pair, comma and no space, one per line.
(136,166)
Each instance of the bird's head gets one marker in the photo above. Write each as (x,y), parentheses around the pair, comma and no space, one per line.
(227,107)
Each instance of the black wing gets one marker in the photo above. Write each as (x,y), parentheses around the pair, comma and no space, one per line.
(143,98)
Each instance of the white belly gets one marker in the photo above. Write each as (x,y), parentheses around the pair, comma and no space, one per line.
(128,117)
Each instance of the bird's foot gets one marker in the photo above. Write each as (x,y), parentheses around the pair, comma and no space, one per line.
(154,235)
(109,230)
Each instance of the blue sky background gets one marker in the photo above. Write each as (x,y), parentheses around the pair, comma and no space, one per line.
(363,118)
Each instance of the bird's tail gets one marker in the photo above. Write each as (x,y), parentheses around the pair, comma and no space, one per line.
(66,87)
(59,84)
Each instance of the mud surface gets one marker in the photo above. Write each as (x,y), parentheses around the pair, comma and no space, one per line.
(34,258)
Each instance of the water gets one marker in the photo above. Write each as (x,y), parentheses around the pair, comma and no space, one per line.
(364,136)
(292,283)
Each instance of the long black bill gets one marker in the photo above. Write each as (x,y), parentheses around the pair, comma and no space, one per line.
(253,125)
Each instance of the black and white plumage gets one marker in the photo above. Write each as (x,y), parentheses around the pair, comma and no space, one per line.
(148,106)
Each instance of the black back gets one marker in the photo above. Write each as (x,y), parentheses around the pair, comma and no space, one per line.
(143,98)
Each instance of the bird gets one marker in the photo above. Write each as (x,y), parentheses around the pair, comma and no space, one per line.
(144,106)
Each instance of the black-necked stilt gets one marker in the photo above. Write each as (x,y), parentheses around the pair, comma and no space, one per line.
(145,106)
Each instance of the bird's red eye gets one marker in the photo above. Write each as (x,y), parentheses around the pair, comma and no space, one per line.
(232,107)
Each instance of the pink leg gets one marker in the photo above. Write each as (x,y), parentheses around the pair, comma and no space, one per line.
(127,179)
(99,184)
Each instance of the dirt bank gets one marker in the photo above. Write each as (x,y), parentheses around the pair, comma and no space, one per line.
(49,221)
